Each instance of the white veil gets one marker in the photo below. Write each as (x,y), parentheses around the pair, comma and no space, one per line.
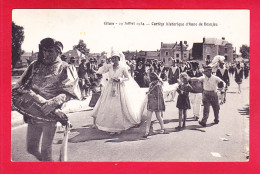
(136,95)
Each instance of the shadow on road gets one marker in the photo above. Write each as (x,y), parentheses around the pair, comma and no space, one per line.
(166,121)
(87,134)
(244,110)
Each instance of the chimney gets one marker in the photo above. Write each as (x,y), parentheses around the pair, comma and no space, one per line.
(185,42)
(203,39)
(32,52)
(161,44)
(223,38)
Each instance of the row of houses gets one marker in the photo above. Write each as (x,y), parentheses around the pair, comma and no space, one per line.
(203,52)
(168,53)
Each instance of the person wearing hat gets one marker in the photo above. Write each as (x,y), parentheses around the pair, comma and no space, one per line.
(209,95)
(84,82)
(222,73)
(55,82)
(239,76)
(117,108)
(91,69)
(139,74)
(196,92)
(173,76)
(182,67)
(155,65)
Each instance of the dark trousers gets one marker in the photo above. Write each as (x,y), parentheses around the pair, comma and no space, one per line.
(210,98)
(35,131)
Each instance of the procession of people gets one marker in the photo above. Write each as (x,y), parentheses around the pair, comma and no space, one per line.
(121,102)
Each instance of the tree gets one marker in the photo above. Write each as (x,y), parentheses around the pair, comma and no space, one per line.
(81,47)
(17,40)
(244,50)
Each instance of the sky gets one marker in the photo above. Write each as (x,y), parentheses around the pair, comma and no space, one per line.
(91,25)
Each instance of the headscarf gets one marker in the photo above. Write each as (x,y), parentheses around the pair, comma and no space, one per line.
(50,43)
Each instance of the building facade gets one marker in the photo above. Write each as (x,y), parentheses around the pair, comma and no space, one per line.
(26,59)
(152,55)
(211,47)
(173,53)
(74,54)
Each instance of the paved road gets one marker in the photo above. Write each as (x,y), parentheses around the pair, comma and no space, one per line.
(227,141)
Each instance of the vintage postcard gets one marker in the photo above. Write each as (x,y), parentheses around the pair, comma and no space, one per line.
(131,85)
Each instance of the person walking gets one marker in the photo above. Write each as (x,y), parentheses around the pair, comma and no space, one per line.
(209,96)
(238,77)
(84,82)
(117,109)
(139,74)
(53,81)
(173,76)
(155,102)
(183,101)
(196,91)
(223,74)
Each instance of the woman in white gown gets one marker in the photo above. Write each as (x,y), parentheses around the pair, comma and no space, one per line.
(121,103)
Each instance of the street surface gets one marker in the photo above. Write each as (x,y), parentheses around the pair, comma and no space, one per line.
(226,141)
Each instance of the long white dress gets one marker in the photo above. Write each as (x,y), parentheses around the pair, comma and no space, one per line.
(118,108)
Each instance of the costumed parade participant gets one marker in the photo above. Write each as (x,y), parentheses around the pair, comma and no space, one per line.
(246,70)
(238,76)
(196,91)
(155,102)
(84,82)
(209,95)
(120,105)
(183,101)
(140,73)
(50,82)
(222,73)
(182,67)
(173,76)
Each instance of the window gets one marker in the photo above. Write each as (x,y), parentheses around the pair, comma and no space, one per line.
(226,57)
(164,60)
(208,57)
(166,53)
(177,55)
(169,59)
(185,55)
(225,50)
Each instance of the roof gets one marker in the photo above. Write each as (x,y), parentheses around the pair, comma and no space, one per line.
(152,53)
(215,41)
(72,53)
(168,45)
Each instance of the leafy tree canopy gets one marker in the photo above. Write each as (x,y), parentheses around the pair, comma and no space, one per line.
(17,40)
(81,47)
(244,50)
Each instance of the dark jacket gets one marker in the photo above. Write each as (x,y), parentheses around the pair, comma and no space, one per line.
(224,77)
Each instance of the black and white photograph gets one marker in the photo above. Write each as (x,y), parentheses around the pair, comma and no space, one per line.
(130,85)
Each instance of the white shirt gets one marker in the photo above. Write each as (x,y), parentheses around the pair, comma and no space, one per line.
(210,84)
